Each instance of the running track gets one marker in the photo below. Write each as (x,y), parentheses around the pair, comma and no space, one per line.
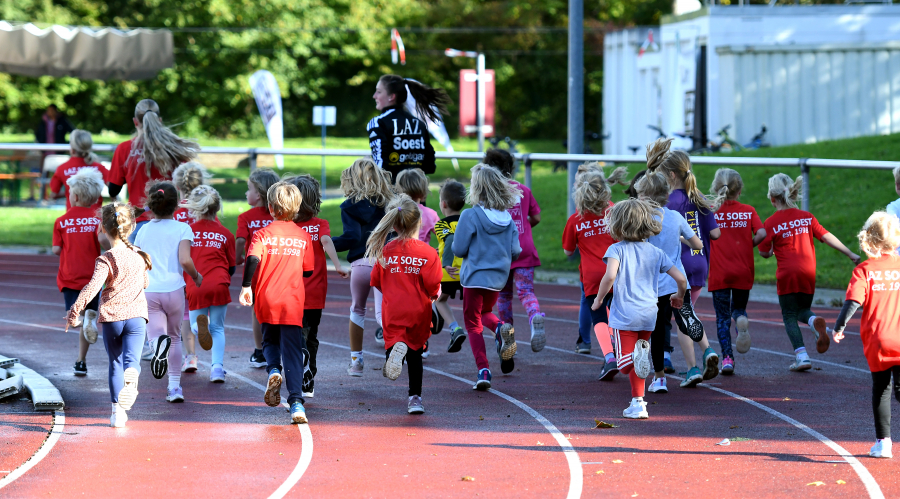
(534,438)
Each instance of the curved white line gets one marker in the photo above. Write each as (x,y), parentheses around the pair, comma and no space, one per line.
(59,424)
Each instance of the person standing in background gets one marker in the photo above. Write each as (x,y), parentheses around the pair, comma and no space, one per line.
(52,129)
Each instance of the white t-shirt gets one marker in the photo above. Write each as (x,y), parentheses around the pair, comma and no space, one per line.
(160,239)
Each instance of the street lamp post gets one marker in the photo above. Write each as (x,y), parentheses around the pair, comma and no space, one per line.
(479,85)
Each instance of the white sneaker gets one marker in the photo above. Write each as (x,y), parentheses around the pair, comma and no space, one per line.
(119,417)
(393,366)
(742,345)
(658,386)
(310,394)
(538,336)
(89,327)
(637,409)
(801,363)
(128,394)
(882,448)
(356,367)
(641,358)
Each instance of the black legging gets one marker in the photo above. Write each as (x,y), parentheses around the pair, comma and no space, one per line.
(311,319)
(881,399)
(414,368)
(658,338)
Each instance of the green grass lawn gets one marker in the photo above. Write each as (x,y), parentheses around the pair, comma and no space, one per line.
(840,199)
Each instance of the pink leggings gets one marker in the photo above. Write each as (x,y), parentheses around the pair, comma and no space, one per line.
(166,311)
(625,341)
(477,314)
(360,277)
(523,279)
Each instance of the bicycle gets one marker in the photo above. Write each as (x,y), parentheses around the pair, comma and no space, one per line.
(758,140)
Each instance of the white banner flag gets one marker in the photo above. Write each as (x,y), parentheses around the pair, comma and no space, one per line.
(268,100)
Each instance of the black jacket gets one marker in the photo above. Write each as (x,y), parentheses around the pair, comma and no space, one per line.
(63,126)
(400,141)
(359,221)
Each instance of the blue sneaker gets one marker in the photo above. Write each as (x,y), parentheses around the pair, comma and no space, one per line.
(484,380)
(298,413)
(668,368)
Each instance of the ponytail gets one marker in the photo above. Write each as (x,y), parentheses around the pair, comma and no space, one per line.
(660,158)
(401,215)
(431,103)
(160,147)
(785,190)
(726,185)
(203,203)
(591,191)
(118,221)
(82,145)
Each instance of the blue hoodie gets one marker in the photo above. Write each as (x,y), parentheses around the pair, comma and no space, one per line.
(488,242)
(359,219)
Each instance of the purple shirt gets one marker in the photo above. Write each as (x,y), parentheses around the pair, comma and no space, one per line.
(696,262)
(526,207)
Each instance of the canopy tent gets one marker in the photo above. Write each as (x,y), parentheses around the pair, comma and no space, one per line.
(87,53)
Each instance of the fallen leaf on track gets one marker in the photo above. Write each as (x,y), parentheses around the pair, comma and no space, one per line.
(617,461)
(733,427)
(840,482)
(603,424)
(817,484)
(601,472)
(468,478)
(410,434)
(480,418)
(785,399)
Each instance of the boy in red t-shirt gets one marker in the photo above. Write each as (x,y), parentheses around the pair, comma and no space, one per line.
(317,283)
(249,222)
(282,253)
(75,242)
(875,284)
(408,273)
(731,268)
(789,236)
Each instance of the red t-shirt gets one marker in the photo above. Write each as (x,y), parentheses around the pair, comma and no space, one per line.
(76,233)
(875,284)
(588,232)
(251,221)
(791,233)
(128,168)
(409,282)
(284,251)
(316,284)
(183,215)
(731,255)
(70,168)
(213,253)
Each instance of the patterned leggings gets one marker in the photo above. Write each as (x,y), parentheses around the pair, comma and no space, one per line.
(523,278)
(729,304)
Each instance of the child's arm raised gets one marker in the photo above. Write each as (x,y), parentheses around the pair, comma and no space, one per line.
(328,246)
(612,269)
(836,243)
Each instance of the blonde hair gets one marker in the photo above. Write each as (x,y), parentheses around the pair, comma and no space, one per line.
(660,158)
(654,187)
(726,186)
(401,215)
(491,189)
(159,146)
(364,180)
(284,200)
(87,185)
(413,183)
(118,221)
(203,202)
(188,177)
(784,189)
(82,144)
(309,191)
(591,191)
(632,220)
(897,175)
(880,235)
(262,180)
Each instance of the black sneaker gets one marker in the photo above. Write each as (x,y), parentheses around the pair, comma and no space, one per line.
(457,338)
(691,321)
(506,366)
(159,363)
(258,359)
(81,368)
(609,371)
(379,336)
(437,322)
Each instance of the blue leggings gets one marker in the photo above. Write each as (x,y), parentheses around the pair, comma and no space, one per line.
(588,318)
(216,316)
(729,304)
(124,341)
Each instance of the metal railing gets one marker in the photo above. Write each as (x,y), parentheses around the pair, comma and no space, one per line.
(805,164)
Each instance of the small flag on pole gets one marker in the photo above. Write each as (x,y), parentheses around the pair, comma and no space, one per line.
(397,48)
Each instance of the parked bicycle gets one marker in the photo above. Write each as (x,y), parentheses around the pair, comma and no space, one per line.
(758,140)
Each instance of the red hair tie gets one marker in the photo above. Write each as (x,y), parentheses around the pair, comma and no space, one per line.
(160,190)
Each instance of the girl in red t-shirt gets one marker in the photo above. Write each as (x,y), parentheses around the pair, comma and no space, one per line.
(789,236)
(875,284)
(408,272)
(731,269)
(81,145)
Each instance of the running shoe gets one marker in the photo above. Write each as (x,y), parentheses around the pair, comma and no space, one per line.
(174,395)
(273,389)
(357,367)
(307,383)
(217,374)
(821,330)
(710,364)
(309,394)
(457,338)
(484,380)
(298,413)
(147,353)
(641,358)
(506,366)
(379,336)
(89,328)
(636,410)
(742,345)
(128,394)
(658,385)
(801,364)
(425,350)
(393,366)
(119,417)
(203,336)
(507,336)
(692,378)
(257,359)
(159,363)
(190,364)
(727,366)
(538,336)
(583,348)
(80,368)
(609,371)
(882,448)
(691,321)
(437,321)
(668,368)
(414,406)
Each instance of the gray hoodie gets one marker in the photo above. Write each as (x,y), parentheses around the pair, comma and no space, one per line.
(488,242)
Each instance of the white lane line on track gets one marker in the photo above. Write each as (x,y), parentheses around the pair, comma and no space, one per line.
(818,361)
(59,424)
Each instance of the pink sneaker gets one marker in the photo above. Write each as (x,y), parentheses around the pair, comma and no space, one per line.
(727,365)
(190,364)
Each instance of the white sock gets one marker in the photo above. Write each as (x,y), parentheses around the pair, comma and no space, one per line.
(810,322)
(801,356)
(356,355)
(666,355)
(637,400)
(174,380)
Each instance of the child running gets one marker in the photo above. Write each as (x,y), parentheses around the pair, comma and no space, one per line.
(731,268)
(633,268)
(278,261)
(169,244)
(453,198)
(789,236)
(80,148)
(408,273)
(249,222)
(75,242)
(368,190)
(526,214)
(122,274)
(317,284)
(487,240)
(212,251)
(875,285)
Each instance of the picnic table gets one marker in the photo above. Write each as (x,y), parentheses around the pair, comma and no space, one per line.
(13,170)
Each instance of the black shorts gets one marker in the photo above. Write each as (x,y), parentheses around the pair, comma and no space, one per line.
(70,296)
(450,288)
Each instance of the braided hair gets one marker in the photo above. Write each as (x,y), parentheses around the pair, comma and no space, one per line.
(118,221)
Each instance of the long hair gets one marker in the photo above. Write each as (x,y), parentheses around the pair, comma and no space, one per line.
(364,180)
(591,191)
(726,186)
(880,235)
(632,220)
(427,99)
(87,185)
(401,215)
(660,158)
(118,221)
(491,189)
(203,202)
(82,144)
(188,177)
(311,203)
(159,146)
(786,190)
